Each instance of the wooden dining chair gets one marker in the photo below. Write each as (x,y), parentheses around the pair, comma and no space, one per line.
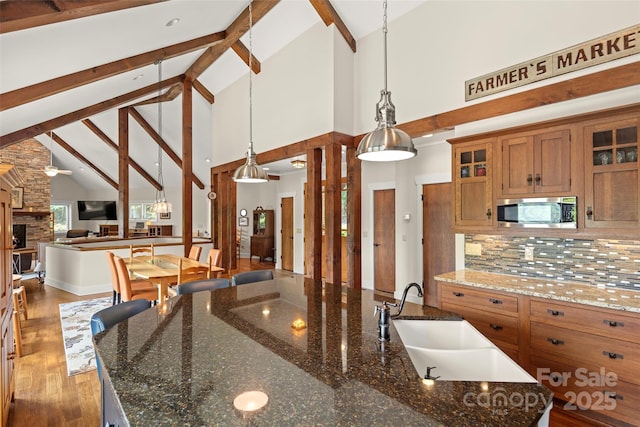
(124,281)
(137,285)
(214,258)
(141,250)
(194,252)
(189,274)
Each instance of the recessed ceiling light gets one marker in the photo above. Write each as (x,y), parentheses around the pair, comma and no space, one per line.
(139,76)
(173,22)
(427,135)
(208,160)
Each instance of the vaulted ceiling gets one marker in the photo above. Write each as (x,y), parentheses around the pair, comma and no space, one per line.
(66,67)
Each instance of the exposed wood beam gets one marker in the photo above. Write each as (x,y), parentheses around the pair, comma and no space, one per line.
(330,16)
(241,50)
(61,142)
(103,136)
(70,81)
(158,139)
(123,167)
(171,94)
(187,166)
(238,27)
(46,126)
(202,90)
(590,84)
(19,14)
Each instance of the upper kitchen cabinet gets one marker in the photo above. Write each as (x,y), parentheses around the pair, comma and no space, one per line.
(611,173)
(536,163)
(473,170)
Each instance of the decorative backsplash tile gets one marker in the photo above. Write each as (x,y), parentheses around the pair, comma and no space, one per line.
(597,262)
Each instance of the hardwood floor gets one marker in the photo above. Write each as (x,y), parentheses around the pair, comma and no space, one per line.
(44,394)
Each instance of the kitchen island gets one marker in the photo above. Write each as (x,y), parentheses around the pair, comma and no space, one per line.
(185,362)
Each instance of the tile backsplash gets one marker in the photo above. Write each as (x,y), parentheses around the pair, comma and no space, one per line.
(599,262)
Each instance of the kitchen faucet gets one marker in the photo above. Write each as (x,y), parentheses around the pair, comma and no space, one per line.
(404,296)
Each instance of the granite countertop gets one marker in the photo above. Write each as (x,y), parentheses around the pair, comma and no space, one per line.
(185,363)
(605,297)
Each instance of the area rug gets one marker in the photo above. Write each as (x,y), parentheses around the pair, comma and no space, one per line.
(75,318)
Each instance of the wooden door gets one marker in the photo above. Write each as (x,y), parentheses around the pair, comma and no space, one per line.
(286,204)
(384,240)
(438,245)
(552,152)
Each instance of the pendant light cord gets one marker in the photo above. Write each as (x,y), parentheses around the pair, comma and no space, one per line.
(250,80)
(161,195)
(384,35)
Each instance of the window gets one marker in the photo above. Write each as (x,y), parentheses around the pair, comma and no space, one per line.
(61,216)
(142,211)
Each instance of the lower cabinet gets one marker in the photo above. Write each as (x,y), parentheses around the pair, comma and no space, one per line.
(262,247)
(588,356)
(7,354)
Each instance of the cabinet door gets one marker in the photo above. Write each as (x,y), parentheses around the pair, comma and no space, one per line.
(473,194)
(517,165)
(612,181)
(552,162)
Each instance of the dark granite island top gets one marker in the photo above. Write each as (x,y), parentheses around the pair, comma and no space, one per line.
(185,365)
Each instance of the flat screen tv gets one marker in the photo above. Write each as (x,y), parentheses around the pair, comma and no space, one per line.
(95,209)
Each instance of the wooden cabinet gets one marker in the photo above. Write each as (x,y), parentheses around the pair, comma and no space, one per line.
(612,182)
(495,314)
(9,178)
(160,230)
(589,357)
(536,163)
(108,230)
(262,241)
(472,174)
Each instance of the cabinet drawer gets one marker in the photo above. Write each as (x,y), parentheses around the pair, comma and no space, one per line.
(492,325)
(588,390)
(587,350)
(610,323)
(483,300)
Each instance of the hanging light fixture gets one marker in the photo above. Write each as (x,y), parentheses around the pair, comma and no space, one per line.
(386,142)
(298,163)
(160,206)
(250,172)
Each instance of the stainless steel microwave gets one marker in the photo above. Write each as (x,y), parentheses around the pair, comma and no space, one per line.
(547,212)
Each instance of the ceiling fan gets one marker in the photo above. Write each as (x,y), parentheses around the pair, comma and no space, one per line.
(51,170)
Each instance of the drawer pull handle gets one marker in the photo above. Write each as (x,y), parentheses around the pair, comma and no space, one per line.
(555,312)
(613,323)
(495,327)
(495,301)
(613,395)
(458,294)
(613,355)
(529,179)
(555,341)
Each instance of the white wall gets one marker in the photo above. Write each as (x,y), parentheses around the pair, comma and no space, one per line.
(304,91)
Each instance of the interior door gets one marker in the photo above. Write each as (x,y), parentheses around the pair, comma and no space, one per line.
(384,240)
(286,204)
(438,248)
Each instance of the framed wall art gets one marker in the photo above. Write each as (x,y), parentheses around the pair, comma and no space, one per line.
(17,197)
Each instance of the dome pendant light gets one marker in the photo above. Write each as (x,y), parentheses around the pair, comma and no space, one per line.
(250,172)
(386,143)
(160,206)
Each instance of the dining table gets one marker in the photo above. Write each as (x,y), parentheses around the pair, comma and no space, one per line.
(163,269)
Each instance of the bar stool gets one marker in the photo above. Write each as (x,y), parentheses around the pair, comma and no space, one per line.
(20,297)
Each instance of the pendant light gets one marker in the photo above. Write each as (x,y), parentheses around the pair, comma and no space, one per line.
(160,206)
(386,142)
(250,172)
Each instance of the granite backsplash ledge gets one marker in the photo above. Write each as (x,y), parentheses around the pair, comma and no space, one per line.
(599,262)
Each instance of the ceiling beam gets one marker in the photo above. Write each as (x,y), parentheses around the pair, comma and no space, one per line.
(158,139)
(241,50)
(46,126)
(203,91)
(41,90)
(330,16)
(171,94)
(18,15)
(238,27)
(100,134)
(61,142)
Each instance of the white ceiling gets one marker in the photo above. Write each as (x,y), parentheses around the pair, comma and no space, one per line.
(42,53)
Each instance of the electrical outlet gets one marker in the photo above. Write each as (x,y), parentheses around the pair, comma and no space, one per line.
(473,249)
(528,253)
